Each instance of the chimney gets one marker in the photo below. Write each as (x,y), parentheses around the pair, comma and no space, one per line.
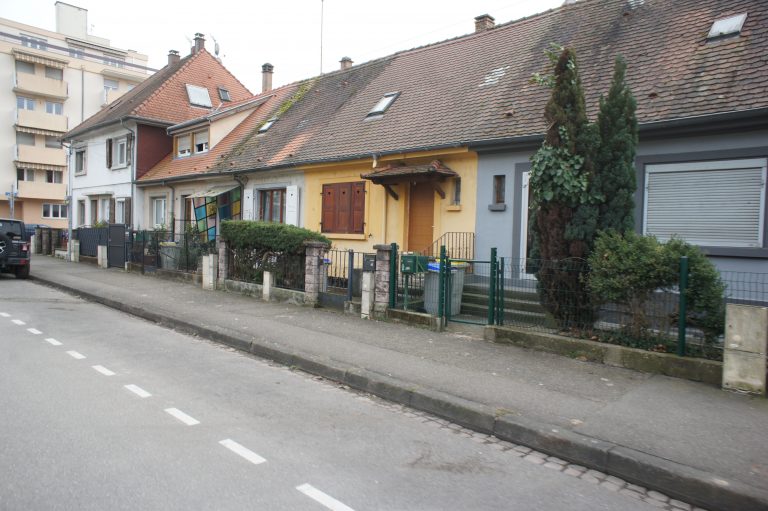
(346,63)
(484,22)
(173,57)
(199,43)
(266,77)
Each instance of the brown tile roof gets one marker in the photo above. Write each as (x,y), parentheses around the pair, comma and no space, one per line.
(477,87)
(394,173)
(162,97)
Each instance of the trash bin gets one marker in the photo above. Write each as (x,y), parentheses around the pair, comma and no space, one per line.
(432,288)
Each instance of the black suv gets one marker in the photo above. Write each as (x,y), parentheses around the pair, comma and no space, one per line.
(14,248)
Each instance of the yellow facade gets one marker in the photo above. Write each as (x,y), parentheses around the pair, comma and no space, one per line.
(386,219)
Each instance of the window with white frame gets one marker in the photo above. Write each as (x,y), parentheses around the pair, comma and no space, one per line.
(81,212)
(54,107)
(54,176)
(120,211)
(80,161)
(25,174)
(712,203)
(201,141)
(24,103)
(192,143)
(104,209)
(183,145)
(54,210)
(121,152)
(158,211)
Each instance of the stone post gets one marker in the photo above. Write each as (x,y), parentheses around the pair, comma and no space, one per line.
(223,260)
(75,246)
(46,245)
(369,287)
(313,271)
(381,279)
(267,285)
(746,344)
(38,241)
(101,256)
(210,270)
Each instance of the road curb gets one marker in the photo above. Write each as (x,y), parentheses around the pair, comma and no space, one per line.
(674,479)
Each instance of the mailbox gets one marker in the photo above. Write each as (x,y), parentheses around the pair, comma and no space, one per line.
(413,263)
(369,262)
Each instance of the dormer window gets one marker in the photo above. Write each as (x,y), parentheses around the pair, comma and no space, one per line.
(192,143)
(727,26)
(200,141)
(198,96)
(224,94)
(267,125)
(183,145)
(383,105)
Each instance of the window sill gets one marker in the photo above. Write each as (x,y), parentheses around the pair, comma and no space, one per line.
(453,207)
(497,207)
(345,236)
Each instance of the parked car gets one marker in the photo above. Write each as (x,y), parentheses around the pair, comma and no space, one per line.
(14,248)
(30,228)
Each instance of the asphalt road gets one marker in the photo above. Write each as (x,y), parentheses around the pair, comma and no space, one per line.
(100,410)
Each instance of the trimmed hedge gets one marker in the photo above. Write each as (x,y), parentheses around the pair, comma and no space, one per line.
(268,236)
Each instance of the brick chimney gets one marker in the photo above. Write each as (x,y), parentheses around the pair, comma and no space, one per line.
(173,57)
(199,43)
(266,77)
(484,22)
(346,63)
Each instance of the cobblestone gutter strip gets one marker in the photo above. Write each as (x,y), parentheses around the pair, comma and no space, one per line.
(676,480)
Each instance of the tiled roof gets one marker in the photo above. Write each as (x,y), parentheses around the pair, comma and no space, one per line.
(395,172)
(477,87)
(163,96)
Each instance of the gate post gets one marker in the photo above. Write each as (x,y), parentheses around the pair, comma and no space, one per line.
(223,259)
(313,271)
(383,279)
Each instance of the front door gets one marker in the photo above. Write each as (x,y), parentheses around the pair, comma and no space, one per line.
(421,218)
(525,234)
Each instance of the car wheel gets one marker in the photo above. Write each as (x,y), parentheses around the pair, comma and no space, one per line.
(5,247)
(22,272)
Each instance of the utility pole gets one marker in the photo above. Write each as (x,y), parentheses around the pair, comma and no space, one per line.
(12,198)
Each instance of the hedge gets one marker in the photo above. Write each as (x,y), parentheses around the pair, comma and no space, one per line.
(268,236)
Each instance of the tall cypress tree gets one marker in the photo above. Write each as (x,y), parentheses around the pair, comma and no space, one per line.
(614,165)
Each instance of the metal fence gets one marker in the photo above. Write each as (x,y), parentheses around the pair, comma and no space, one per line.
(168,251)
(90,238)
(249,265)
(344,273)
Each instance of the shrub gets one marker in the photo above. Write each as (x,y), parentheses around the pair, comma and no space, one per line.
(627,269)
(268,236)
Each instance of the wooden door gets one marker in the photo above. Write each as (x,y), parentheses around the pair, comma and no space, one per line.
(421,217)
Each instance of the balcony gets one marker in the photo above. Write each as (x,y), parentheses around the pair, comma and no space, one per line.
(41,86)
(41,120)
(44,155)
(42,190)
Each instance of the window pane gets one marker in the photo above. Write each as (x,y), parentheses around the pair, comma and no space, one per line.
(121,152)
(498,189)
(52,142)
(63,210)
(54,73)
(277,206)
(201,141)
(110,84)
(25,138)
(183,147)
(25,67)
(47,210)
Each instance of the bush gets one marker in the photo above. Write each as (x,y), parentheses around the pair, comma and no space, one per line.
(627,269)
(268,236)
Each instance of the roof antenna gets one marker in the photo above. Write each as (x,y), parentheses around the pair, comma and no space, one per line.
(215,46)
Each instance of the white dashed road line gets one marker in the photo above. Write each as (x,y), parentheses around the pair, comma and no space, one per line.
(138,390)
(183,417)
(17,322)
(323,498)
(34,331)
(103,370)
(242,451)
(53,341)
(4,315)
(76,355)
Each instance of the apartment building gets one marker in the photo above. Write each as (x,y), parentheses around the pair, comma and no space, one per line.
(50,82)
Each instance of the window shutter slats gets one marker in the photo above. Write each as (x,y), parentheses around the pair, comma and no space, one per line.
(358,207)
(109,153)
(329,208)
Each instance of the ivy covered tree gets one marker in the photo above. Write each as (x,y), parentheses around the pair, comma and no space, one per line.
(565,216)
(614,164)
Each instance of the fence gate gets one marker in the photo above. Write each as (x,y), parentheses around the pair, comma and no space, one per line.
(116,246)
(471,291)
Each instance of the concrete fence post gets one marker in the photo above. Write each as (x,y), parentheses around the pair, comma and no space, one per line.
(223,260)
(313,271)
(746,344)
(75,250)
(210,271)
(368,291)
(37,242)
(381,279)
(267,285)
(101,256)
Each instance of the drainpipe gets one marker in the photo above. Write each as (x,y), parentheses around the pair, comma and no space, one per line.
(82,93)
(173,207)
(69,210)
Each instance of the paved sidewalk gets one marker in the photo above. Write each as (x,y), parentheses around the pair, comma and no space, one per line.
(690,440)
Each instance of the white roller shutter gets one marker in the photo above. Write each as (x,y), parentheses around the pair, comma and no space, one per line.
(707,203)
(292,205)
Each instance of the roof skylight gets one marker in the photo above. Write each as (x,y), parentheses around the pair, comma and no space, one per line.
(383,104)
(494,76)
(224,94)
(727,26)
(198,96)
(267,125)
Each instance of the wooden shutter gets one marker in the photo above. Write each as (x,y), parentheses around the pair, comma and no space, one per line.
(127,211)
(328,218)
(358,208)
(344,208)
(128,148)
(112,210)
(109,153)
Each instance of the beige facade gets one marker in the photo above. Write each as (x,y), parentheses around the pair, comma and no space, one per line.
(50,81)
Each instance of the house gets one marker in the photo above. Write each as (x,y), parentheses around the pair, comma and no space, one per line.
(55,80)
(118,145)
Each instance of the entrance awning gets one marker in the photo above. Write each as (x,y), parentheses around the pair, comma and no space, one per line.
(215,191)
(399,172)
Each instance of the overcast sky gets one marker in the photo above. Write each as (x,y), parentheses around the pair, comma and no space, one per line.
(285,33)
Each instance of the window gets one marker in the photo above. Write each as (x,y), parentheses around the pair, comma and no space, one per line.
(158,211)
(113,61)
(54,107)
(183,146)
(80,167)
(499,184)
(198,96)
(54,73)
(267,125)
(54,211)
(52,142)
(25,138)
(194,143)
(94,210)
(201,141)
(25,67)
(122,152)
(25,174)
(110,84)
(456,198)
(727,26)
(104,209)
(77,53)
(81,212)
(713,203)
(53,176)
(23,103)
(120,211)
(34,42)
(343,208)
(272,205)
(383,104)
(224,94)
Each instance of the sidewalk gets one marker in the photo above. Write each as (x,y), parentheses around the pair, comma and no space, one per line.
(689,440)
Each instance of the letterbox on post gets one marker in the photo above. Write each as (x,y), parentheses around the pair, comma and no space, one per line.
(369,262)
(413,263)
